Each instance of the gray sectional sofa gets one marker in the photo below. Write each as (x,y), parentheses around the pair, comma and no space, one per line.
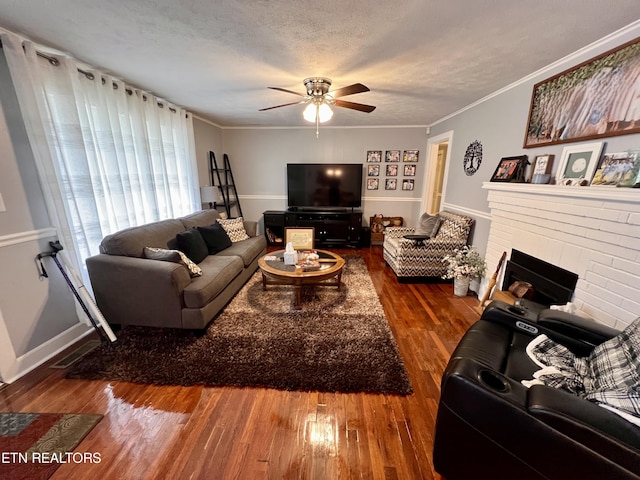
(131,289)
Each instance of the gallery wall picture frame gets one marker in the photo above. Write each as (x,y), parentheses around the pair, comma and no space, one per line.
(578,163)
(391,184)
(392,156)
(510,169)
(373,183)
(541,168)
(409,171)
(410,156)
(408,183)
(392,170)
(595,99)
(374,156)
(301,238)
(373,170)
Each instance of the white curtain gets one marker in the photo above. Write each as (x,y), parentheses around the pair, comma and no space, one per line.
(109,156)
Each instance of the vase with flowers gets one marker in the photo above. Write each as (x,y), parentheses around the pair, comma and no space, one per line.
(464,265)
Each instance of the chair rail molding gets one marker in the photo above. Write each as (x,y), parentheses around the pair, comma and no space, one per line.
(27,236)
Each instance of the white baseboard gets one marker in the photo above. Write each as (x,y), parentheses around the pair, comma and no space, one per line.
(43,353)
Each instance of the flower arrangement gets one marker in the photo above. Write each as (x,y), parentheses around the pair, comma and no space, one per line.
(465,262)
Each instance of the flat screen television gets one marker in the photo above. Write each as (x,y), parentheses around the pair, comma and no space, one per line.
(324,185)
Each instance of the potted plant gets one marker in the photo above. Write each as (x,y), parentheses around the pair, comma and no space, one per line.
(464,265)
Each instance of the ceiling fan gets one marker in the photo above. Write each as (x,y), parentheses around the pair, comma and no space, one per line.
(320,99)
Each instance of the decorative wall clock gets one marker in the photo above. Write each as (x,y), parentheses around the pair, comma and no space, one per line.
(472,158)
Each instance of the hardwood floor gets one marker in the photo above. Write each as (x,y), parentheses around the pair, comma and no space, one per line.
(153,432)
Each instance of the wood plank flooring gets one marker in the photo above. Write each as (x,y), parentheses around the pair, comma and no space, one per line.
(153,432)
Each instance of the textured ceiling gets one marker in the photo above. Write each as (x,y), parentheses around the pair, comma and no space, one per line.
(422,59)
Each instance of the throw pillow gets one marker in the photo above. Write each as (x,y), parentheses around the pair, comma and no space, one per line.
(192,244)
(428,225)
(174,256)
(234,228)
(215,237)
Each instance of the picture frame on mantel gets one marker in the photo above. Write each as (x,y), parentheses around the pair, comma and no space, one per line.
(541,169)
(578,164)
(595,99)
(510,169)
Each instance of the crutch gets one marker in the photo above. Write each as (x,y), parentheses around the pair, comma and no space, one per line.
(80,292)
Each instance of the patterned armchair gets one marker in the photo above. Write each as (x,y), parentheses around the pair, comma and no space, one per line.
(407,258)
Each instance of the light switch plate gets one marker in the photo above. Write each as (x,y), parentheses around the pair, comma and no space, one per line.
(2,208)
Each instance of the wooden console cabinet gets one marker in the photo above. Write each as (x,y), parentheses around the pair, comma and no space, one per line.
(332,228)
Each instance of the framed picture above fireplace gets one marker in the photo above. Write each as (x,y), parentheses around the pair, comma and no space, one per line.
(578,163)
(596,99)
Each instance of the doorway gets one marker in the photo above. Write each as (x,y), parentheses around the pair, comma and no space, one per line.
(434,188)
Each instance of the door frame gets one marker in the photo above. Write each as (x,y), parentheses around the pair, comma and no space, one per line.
(428,187)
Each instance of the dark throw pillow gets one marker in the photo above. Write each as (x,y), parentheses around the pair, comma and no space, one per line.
(215,237)
(192,244)
(428,225)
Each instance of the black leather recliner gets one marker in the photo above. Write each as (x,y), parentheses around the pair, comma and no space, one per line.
(489,425)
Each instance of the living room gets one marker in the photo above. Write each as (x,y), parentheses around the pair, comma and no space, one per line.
(38,318)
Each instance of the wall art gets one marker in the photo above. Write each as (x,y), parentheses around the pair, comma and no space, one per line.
(598,98)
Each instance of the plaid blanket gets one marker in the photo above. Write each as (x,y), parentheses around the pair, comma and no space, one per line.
(609,376)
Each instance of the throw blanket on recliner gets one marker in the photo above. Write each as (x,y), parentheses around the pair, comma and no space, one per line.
(609,376)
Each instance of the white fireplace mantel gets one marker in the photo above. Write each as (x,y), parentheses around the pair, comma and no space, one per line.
(591,231)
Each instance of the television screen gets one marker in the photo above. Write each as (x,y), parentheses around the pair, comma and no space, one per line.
(324,185)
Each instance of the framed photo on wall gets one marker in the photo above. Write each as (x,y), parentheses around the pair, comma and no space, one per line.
(373,183)
(390,184)
(407,184)
(373,170)
(410,156)
(374,156)
(578,163)
(392,170)
(409,170)
(392,156)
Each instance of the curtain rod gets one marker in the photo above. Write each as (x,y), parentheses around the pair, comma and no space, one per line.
(90,76)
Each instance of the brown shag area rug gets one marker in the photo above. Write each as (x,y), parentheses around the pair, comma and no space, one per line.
(339,341)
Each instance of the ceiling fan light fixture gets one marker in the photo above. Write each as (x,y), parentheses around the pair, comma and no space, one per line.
(322,112)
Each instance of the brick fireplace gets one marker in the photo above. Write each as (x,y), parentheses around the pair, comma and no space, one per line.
(592,231)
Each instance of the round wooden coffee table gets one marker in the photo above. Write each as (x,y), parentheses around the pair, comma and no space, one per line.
(275,272)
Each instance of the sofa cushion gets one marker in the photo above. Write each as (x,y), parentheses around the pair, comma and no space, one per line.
(215,237)
(130,242)
(248,249)
(428,225)
(192,244)
(217,272)
(175,256)
(234,228)
(200,219)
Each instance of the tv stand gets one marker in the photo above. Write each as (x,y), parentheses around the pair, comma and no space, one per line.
(333,228)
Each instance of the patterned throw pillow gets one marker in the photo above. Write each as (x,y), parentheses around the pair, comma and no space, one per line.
(175,256)
(234,228)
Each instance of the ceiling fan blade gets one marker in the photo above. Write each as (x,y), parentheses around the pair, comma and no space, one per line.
(349,90)
(287,91)
(355,106)
(283,105)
